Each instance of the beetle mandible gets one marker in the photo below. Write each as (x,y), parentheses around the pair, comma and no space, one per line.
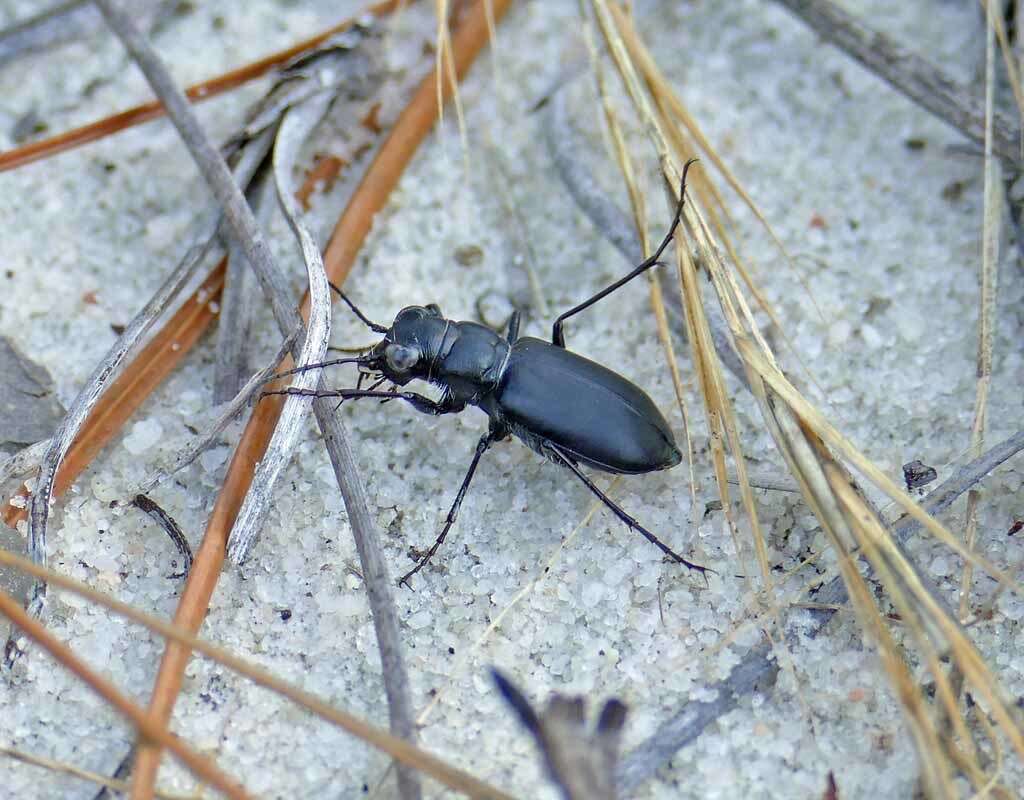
(563,406)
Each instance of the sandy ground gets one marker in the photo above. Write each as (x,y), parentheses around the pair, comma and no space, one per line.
(884,221)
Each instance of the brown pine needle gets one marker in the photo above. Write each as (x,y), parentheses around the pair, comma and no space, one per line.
(410,130)
(140,378)
(375,737)
(35,151)
(200,766)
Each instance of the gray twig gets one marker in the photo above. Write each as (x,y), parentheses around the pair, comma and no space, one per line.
(246,232)
(908,73)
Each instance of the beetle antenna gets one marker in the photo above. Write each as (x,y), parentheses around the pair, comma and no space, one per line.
(373,326)
(319,365)
(679,210)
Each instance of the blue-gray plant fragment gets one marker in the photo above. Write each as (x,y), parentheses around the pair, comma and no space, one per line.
(29,411)
(580,761)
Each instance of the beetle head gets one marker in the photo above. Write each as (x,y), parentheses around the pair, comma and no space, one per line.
(410,346)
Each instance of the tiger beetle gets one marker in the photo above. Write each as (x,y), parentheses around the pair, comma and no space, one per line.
(563,406)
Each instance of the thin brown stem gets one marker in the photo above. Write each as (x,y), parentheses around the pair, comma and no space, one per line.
(145,112)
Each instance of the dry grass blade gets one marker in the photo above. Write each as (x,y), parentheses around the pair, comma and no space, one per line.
(84,774)
(989,283)
(995,20)
(675,117)
(397,748)
(639,207)
(801,434)
(100,129)
(202,767)
(717,406)
(938,781)
(923,617)
(757,670)
(934,616)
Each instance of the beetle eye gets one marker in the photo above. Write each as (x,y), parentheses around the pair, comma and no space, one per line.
(401,358)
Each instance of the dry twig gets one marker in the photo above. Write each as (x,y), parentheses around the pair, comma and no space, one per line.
(908,73)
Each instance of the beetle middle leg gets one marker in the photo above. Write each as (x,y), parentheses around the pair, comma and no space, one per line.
(561,457)
(557,336)
(493,435)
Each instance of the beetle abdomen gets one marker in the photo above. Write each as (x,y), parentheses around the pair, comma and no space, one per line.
(595,415)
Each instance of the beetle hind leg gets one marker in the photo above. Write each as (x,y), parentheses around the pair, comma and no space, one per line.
(556,454)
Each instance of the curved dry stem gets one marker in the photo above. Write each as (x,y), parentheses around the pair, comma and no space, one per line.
(296,127)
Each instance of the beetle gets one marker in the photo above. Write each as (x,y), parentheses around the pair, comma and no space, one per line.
(567,408)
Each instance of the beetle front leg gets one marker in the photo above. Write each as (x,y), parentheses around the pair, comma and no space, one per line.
(421,403)
(425,405)
(557,336)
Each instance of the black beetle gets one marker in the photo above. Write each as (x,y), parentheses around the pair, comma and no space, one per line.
(563,406)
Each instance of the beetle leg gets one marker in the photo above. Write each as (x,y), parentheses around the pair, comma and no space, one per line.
(560,456)
(557,336)
(420,402)
(481,447)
